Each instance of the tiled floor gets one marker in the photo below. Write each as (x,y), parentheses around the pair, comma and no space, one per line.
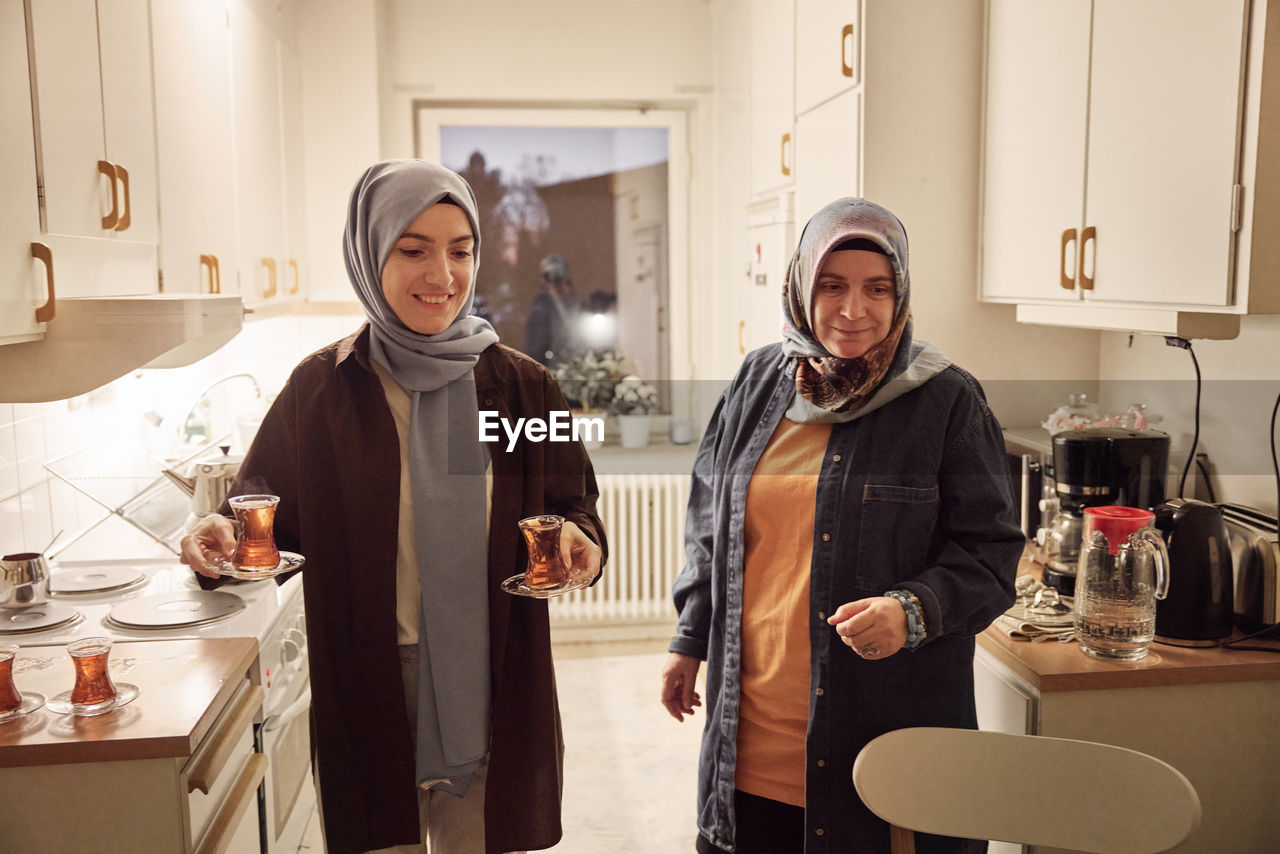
(630,770)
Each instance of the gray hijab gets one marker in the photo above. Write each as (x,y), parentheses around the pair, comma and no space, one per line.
(446,467)
(832,389)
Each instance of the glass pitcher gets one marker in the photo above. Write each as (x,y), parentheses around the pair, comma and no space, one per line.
(1123,570)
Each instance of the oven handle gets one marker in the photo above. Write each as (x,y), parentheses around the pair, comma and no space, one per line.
(297,707)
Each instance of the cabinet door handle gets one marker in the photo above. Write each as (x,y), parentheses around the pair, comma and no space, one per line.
(109,221)
(786,144)
(297,277)
(126,216)
(270,264)
(846,39)
(1068,282)
(215,274)
(1089,233)
(46,312)
(742,347)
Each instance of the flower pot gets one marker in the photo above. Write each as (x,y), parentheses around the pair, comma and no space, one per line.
(634,430)
(583,426)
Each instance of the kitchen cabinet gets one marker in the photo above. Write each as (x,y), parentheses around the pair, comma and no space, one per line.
(175,770)
(192,46)
(96,143)
(1120,160)
(294,173)
(828,154)
(26,299)
(772,95)
(770,243)
(828,59)
(1207,712)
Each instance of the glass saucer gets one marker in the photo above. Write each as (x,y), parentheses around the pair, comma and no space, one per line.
(30,702)
(125,693)
(289,561)
(515,586)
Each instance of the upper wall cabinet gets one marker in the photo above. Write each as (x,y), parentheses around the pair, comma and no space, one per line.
(96,152)
(193,131)
(1119,142)
(828,50)
(772,95)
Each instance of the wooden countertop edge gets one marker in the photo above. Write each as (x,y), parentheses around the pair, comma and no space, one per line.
(1099,675)
(132,749)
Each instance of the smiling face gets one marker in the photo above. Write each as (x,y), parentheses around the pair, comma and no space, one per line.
(427,276)
(853,302)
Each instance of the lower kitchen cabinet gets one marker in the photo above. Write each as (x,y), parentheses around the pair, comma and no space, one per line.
(176,770)
(1210,713)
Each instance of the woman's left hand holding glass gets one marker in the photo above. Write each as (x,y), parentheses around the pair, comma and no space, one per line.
(874,628)
(581,555)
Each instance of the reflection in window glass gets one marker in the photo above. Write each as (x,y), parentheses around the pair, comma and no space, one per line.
(574,256)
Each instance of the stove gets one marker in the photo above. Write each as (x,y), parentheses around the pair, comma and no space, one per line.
(142,600)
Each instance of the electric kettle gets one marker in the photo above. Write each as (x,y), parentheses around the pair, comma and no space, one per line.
(1199,608)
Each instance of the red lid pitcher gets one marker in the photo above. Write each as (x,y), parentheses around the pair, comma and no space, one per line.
(1123,570)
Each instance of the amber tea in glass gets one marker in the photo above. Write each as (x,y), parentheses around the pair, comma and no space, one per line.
(10,698)
(256,546)
(542,536)
(94,689)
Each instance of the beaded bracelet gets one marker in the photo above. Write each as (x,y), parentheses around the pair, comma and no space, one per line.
(915,617)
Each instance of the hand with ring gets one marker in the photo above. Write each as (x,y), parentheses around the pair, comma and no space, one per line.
(874,628)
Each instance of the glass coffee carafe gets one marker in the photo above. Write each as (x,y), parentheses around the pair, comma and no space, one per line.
(1123,570)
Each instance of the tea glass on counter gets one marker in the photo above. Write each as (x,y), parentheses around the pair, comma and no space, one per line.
(94,692)
(13,703)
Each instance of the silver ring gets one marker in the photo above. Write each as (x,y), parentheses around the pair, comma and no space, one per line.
(869,650)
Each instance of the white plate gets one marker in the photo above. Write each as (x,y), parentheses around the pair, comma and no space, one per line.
(288,563)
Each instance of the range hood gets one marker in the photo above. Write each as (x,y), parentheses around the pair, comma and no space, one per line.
(94,340)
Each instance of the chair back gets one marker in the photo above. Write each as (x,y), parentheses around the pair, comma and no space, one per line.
(1026,789)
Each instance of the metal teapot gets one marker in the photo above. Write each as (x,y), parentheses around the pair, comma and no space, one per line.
(208,480)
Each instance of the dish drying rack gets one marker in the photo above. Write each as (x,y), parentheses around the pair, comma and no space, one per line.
(130,484)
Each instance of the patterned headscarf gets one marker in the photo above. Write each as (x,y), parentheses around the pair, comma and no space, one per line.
(831,383)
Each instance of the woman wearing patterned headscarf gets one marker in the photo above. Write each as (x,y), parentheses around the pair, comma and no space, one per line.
(850,529)
(433,697)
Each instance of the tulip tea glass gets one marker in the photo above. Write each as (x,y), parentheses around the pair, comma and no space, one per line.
(256,547)
(542,536)
(94,691)
(10,698)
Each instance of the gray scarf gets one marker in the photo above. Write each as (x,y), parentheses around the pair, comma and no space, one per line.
(446,467)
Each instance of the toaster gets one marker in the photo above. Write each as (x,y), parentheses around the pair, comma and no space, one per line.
(1255,557)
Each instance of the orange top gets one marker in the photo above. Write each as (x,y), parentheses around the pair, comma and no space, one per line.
(774,706)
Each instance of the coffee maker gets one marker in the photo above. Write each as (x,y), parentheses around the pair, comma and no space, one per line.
(1093,467)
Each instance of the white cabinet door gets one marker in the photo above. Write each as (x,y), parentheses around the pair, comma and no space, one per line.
(294,282)
(193,132)
(1164,118)
(1036,111)
(255,68)
(828,50)
(770,242)
(772,93)
(828,154)
(22,279)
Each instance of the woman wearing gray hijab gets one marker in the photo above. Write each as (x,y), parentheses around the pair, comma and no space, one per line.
(850,529)
(433,696)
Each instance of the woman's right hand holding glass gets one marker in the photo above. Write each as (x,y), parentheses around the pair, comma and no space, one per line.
(210,545)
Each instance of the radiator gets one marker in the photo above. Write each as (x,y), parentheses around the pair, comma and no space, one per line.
(643,518)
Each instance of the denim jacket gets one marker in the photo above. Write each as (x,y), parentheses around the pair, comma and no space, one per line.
(915,496)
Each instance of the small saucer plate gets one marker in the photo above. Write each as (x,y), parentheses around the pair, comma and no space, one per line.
(30,702)
(125,693)
(516,587)
(289,561)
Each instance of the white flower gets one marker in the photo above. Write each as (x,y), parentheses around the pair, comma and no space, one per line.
(633,396)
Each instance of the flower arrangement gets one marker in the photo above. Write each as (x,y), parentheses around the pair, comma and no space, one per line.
(587,381)
(633,396)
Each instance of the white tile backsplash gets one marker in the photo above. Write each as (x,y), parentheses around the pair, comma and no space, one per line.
(34,504)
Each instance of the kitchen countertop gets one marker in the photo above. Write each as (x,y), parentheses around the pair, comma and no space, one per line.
(183,686)
(1053,666)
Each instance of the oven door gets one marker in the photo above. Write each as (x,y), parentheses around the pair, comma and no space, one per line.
(288,791)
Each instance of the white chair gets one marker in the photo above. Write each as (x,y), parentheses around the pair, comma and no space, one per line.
(1027,789)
